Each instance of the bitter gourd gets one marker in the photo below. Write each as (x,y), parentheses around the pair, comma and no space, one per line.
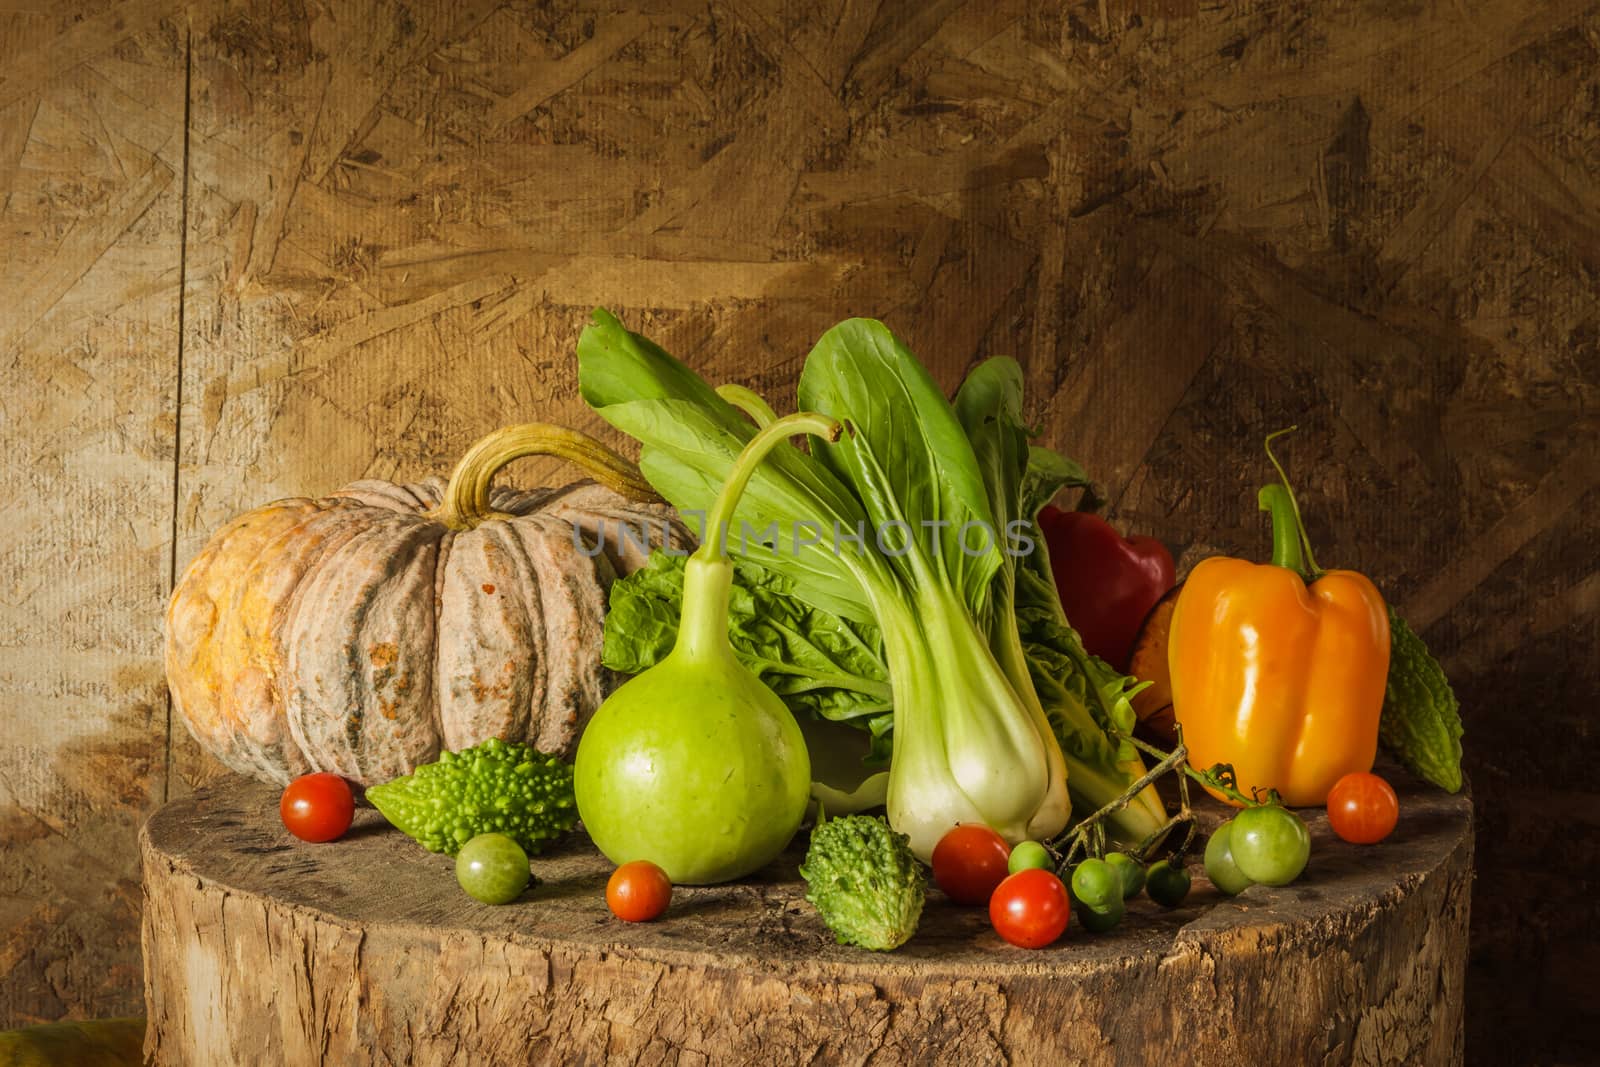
(1421,721)
(495,787)
(863,879)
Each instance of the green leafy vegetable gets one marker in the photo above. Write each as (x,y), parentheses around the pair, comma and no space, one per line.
(865,882)
(828,666)
(690,438)
(908,459)
(1421,721)
(969,745)
(495,787)
(899,533)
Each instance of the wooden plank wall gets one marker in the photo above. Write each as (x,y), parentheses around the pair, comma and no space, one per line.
(1193,223)
(91,185)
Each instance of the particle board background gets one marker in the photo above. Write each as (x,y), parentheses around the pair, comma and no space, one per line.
(260,248)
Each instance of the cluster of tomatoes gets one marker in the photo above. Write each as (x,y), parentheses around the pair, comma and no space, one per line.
(1269,845)
(1029,905)
(971,863)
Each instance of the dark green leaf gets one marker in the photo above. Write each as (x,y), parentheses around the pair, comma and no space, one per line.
(820,664)
(906,456)
(689,439)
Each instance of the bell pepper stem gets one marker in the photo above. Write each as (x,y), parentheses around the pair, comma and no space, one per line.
(1286,544)
(1309,568)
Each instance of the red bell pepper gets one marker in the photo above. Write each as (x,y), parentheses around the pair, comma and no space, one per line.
(1108,583)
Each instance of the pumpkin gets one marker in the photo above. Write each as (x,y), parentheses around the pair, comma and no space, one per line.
(364,632)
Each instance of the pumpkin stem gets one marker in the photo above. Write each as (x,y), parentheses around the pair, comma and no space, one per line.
(466,498)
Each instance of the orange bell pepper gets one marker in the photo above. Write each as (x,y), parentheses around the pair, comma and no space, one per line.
(1279,668)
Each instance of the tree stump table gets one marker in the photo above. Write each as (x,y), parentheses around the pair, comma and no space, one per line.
(261,949)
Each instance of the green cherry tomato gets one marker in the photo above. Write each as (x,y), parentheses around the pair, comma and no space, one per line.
(493,868)
(1097,884)
(1270,844)
(1166,884)
(1132,872)
(1030,855)
(1220,866)
(1097,893)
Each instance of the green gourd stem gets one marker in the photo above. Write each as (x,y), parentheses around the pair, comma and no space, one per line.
(1286,548)
(703,624)
(708,573)
(750,402)
(721,515)
(1310,569)
(466,497)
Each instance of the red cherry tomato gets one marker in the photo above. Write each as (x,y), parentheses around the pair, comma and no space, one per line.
(317,807)
(969,861)
(1362,808)
(638,891)
(1031,908)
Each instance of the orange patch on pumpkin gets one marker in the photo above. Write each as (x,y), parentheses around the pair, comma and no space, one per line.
(483,691)
(383,655)
(488,588)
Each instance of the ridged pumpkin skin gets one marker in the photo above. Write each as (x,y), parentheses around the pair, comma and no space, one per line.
(359,634)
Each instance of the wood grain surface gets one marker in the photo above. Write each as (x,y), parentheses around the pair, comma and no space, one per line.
(91,185)
(382,226)
(263,949)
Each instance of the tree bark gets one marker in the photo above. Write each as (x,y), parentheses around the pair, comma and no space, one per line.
(260,949)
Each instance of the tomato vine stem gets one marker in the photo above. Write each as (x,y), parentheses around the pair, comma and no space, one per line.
(1086,838)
